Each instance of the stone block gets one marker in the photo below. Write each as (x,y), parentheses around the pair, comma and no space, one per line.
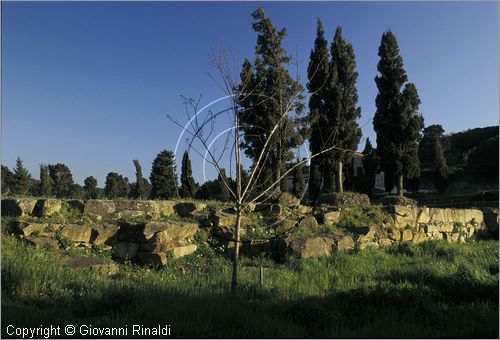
(165,208)
(406,235)
(184,250)
(100,208)
(77,232)
(47,207)
(18,207)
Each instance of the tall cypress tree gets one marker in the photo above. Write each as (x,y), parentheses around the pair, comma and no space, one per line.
(267,91)
(140,187)
(317,75)
(188,184)
(396,120)
(22,178)
(163,177)
(45,181)
(341,105)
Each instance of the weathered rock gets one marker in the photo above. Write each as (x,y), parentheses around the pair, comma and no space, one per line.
(18,207)
(99,208)
(423,215)
(308,223)
(28,228)
(344,243)
(303,209)
(249,208)
(406,235)
(222,219)
(269,209)
(473,216)
(345,199)
(185,209)
(304,247)
(171,229)
(384,242)
(134,208)
(394,234)
(47,207)
(404,215)
(364,234)
(42,242)
(420,237)
(435,236)
(125,250)
(432,228)
(451,237)
(155,260)
(330,217)
(165,208)
(397,200)
(184,250)
(104,233)
(104,266)
(77,205)
(77,232)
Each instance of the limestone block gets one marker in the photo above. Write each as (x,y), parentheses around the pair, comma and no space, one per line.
(406,235)
(99,208)
(18,207)
(165,208)
(47,207)
(404,215)
(184,250)
(77,232)
(28,228)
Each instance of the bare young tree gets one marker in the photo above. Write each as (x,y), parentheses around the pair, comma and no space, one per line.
(201,129)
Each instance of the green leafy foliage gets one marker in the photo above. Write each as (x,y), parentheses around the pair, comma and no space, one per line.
(396,121)
(163,177)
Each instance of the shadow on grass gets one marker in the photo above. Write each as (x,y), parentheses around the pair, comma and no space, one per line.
(386,310)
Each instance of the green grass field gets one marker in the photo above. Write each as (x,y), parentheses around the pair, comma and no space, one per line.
(433,289)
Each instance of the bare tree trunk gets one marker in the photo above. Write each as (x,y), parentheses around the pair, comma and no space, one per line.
(400,186)
(234,279)
(340,180)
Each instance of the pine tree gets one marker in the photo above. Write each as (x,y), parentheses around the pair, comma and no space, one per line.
(90,188)
(46,182)
(396,120)
(318,76)
(22,178)
(62,179)
(341,105)
(140,188)
(267,91)
(188,184)
(163,177)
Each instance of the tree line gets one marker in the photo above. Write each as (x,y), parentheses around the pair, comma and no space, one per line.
(266,89)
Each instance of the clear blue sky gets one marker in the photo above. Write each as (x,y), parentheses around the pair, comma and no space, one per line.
(90,84)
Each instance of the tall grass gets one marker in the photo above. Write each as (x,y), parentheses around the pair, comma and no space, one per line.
(433,289)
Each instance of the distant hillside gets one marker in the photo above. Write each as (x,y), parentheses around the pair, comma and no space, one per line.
(463,143)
